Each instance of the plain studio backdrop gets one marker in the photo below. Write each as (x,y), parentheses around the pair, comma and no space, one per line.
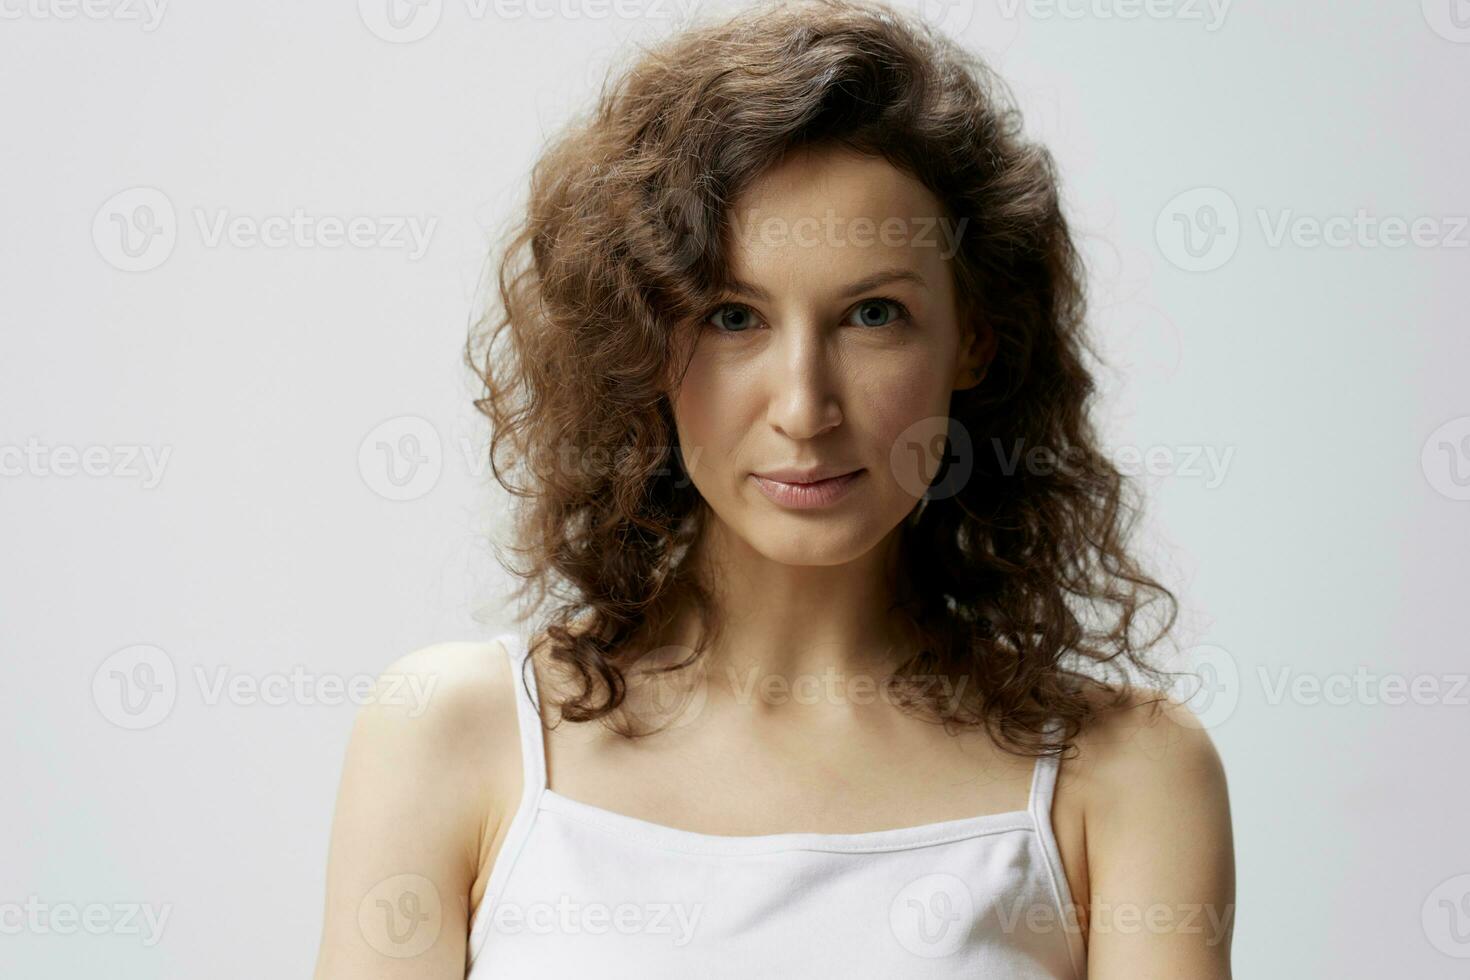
(241,247)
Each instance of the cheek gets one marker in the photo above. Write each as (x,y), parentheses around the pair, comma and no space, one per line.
(904,389)
(906,413)
(707,409)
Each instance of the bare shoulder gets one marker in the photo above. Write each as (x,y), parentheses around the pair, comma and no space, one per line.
(1159,845)
(451,704)
(452,684)
(431,762)
(1151,739)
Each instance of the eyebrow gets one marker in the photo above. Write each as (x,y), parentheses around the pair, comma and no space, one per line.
(861,286)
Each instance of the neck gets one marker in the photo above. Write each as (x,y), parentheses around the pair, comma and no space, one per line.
(791,623)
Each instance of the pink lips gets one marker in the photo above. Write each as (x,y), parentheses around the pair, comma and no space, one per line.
(803,496)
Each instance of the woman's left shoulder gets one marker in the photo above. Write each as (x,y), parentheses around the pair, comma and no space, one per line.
(1155,816)
(1146,775)
(1148,740)
(1144,761)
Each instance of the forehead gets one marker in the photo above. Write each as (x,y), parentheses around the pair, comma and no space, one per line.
(828,216)
(851,183)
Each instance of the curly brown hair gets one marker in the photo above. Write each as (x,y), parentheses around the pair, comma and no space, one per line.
(623,239)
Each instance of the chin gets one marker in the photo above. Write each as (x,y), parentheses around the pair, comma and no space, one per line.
(803,541)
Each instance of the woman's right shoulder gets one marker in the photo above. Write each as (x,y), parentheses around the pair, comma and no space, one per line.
(449,704)
(440,732)
(432,770)
(448,678)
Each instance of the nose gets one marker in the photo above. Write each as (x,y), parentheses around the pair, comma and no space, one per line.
(803,380)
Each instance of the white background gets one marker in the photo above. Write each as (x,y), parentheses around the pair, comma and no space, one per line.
(1332,548)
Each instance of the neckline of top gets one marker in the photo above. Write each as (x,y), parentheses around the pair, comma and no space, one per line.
(677,838)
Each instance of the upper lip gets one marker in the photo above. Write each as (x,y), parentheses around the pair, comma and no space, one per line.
(813,474)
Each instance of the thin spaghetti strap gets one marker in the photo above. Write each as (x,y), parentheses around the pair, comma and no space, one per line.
(533,749)
(1044,780)
(1043,791)
(533,785)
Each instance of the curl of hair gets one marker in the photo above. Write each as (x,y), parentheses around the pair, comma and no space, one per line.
(1021,581)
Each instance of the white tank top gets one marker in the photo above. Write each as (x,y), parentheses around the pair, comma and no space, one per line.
(577,890)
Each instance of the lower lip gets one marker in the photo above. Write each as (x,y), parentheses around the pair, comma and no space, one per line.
(803,496)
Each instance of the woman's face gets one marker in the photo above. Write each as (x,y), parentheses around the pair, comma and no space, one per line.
(839,353)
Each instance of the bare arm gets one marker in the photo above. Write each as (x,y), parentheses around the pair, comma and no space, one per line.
(1161,862)
(420,794)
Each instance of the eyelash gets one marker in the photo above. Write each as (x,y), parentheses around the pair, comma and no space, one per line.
(902,315)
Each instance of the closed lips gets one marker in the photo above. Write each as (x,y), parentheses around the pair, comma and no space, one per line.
(805,478)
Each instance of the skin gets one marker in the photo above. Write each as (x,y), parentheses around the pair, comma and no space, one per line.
(799,373)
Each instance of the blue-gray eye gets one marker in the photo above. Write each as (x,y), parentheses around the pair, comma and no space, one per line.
(738,324)
(870,312)
(877,312)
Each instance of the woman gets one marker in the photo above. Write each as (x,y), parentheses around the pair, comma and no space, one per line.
(787,372)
